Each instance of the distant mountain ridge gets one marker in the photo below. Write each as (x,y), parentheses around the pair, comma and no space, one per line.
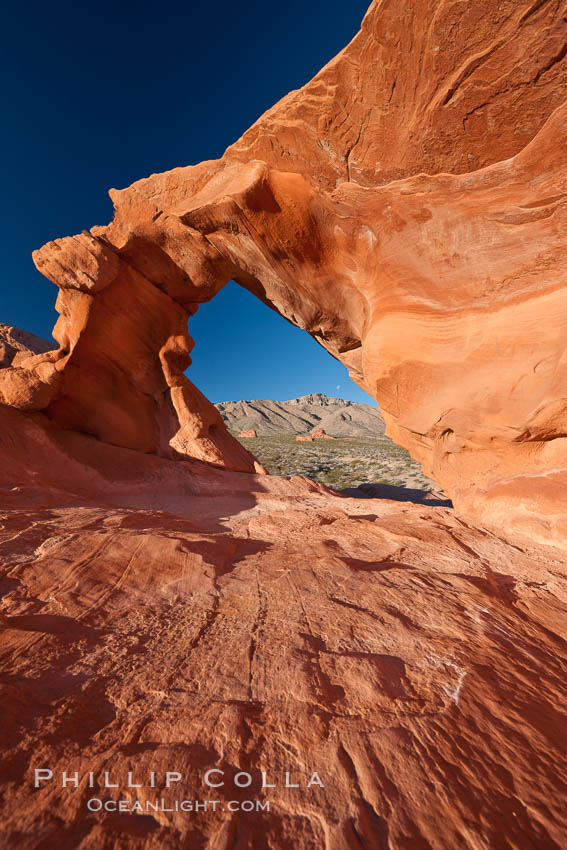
(16,345)
(338,417)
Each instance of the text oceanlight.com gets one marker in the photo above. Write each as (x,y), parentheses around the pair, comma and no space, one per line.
(95,804)
(145,803)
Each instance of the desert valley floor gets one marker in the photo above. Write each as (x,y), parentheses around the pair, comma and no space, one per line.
(344,462)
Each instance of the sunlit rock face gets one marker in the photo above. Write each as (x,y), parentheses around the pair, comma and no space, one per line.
(164,616)
(406,208)
(163,608)
(17,345)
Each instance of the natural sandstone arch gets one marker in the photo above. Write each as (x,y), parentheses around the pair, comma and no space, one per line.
(405,208)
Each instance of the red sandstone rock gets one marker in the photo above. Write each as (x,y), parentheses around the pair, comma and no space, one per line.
(406,208)
(304,439)
(161,612)
(121,380)
(249,432)
(165,615)
(17,345)
(319,434)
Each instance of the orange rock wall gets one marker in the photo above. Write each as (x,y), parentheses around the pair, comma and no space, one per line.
(158,613)
(406,208)
(171,616)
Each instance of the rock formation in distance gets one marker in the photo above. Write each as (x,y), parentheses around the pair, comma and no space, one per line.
(319,434)
(165,608)
(249,432)
(296,416)
(406,208)
(17,345)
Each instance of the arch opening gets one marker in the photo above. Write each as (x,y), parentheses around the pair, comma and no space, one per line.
(272,383)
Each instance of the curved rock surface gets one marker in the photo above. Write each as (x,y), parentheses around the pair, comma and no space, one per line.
(406,208)
(17,345)
(162,616)
(166,609)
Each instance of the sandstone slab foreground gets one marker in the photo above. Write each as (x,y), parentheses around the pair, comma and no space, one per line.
(169,607)
(165,616)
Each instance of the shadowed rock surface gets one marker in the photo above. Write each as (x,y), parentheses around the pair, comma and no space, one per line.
(406,208)
(169,616)
(166,608)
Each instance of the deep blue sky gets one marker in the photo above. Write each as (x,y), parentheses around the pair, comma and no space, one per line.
(98,95)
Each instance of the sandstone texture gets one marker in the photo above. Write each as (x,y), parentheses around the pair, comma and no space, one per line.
(173,616)
(17,345)
(166,606)
(406,208)
(250,432)
(336,416)
(304,438)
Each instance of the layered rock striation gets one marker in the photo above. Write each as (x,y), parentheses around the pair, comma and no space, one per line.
(406,208)
(169,616)
(166,609)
